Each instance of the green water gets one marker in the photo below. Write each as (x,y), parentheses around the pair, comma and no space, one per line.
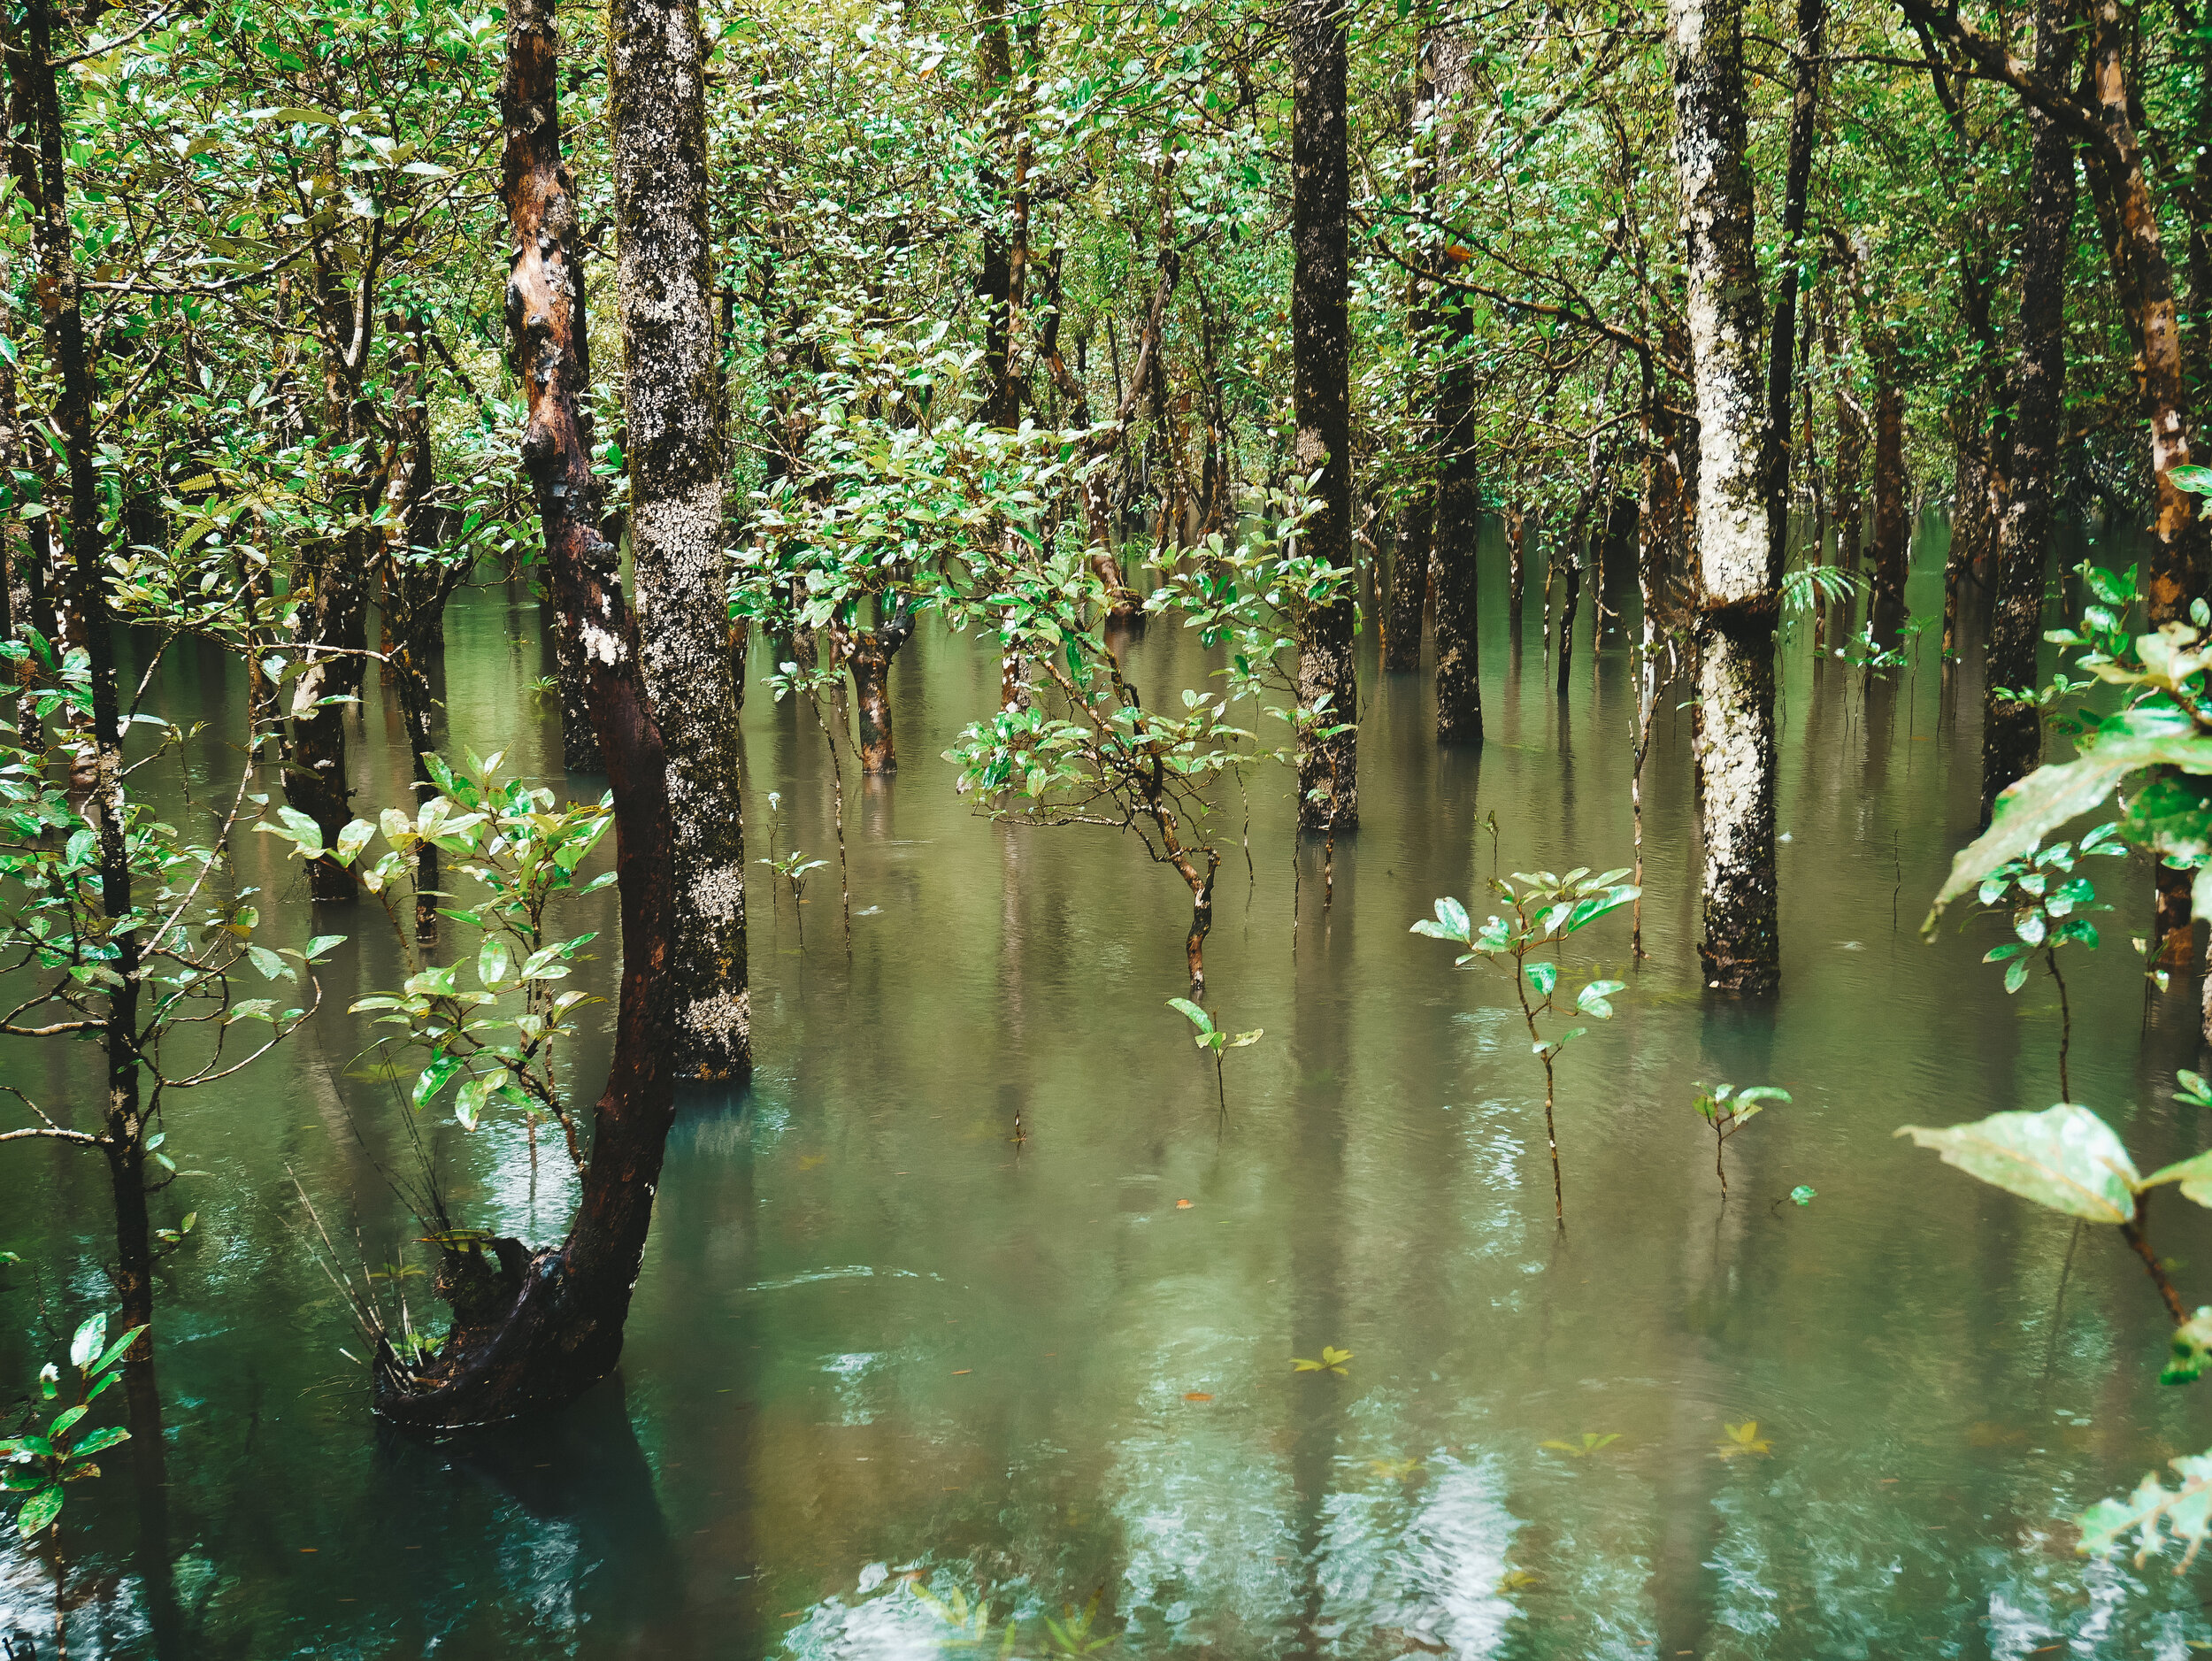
(880,1345)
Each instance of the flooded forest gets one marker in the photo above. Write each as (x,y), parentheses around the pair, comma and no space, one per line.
(1035,828)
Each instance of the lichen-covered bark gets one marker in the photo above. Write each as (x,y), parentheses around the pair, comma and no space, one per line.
(1321,347)
(1735,736)
(670,385)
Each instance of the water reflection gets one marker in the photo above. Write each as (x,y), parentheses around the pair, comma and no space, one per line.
(888,1363)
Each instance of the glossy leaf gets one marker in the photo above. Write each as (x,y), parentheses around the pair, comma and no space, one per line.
(2064,1157)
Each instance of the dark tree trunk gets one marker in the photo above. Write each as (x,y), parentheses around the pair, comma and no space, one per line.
(540,1327)
(1893,513)
(1458,477)
(1735,736)
(1812,26)
(866,654)
(1408,584)
(1571,601)
(1321,344)
(2012,731)
(665,297)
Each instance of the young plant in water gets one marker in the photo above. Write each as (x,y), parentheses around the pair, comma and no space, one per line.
(2044,899)
(1216,1038)
(38,1462)
(2067,1159)
(1728,1110)
(1546,909)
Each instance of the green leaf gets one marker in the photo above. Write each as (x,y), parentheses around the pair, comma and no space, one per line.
(1596,998)
(1588,911)
(40,1509)
(296,828)
(432,1078)
(2186,1510)
(320,944)
(1192,1013)
(1802,1195)
(2049,797)
(2015,974)
(271,966)
(1543,976)
(101,1439)
(2194,1174)
(2195,480)
(2064,1157)
(468,1102)
(492,962)
(353,840)
(1451,922)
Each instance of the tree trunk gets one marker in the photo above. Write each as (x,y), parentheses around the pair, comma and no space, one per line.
(542,1327)
(2012,731)
(1893,513)
(1812,26)
(664,299)
(1408,584)
(866,654)
(1515,568)
(1736,618)
(1458,479)
(1321,342)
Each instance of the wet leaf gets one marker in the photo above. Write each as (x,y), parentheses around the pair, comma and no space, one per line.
(2064,1157)
(40,1509)
(1590,1443)
(1744,1438)
(1802,1195)
(1332,1360)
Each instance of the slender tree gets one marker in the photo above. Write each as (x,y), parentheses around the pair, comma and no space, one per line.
(665,296)
(1740,949)
(2012,728)
(1458,487)
(1321,342)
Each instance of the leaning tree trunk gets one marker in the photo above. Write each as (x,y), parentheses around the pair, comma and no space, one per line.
(663,294)
(1458,480)
(1736,601)
(2012,729)
(1321,344)
(533,1330)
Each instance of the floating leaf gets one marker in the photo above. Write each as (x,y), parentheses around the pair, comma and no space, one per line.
(1802,1195)
(1332,1360)
(1590,1443)
(2064,1157)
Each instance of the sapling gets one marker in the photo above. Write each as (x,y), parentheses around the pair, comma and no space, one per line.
(1728,1110)
(38,1462)
(2044,899)
(1216,1038)
(1545,910)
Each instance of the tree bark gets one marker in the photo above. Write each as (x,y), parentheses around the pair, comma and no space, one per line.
(1408,584)
(1893,515)
(1737,604)
(666,304)
(1458,479)
(866,654)
(1812,27)
(2012,731)
(536,1329)
(1321,342)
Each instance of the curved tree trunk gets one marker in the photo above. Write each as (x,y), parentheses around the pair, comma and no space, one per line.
(534,1329)
(1321,343)
(671,399)
(2012,731)
(1735,739)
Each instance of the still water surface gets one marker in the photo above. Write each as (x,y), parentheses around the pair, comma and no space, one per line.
(882,1347)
